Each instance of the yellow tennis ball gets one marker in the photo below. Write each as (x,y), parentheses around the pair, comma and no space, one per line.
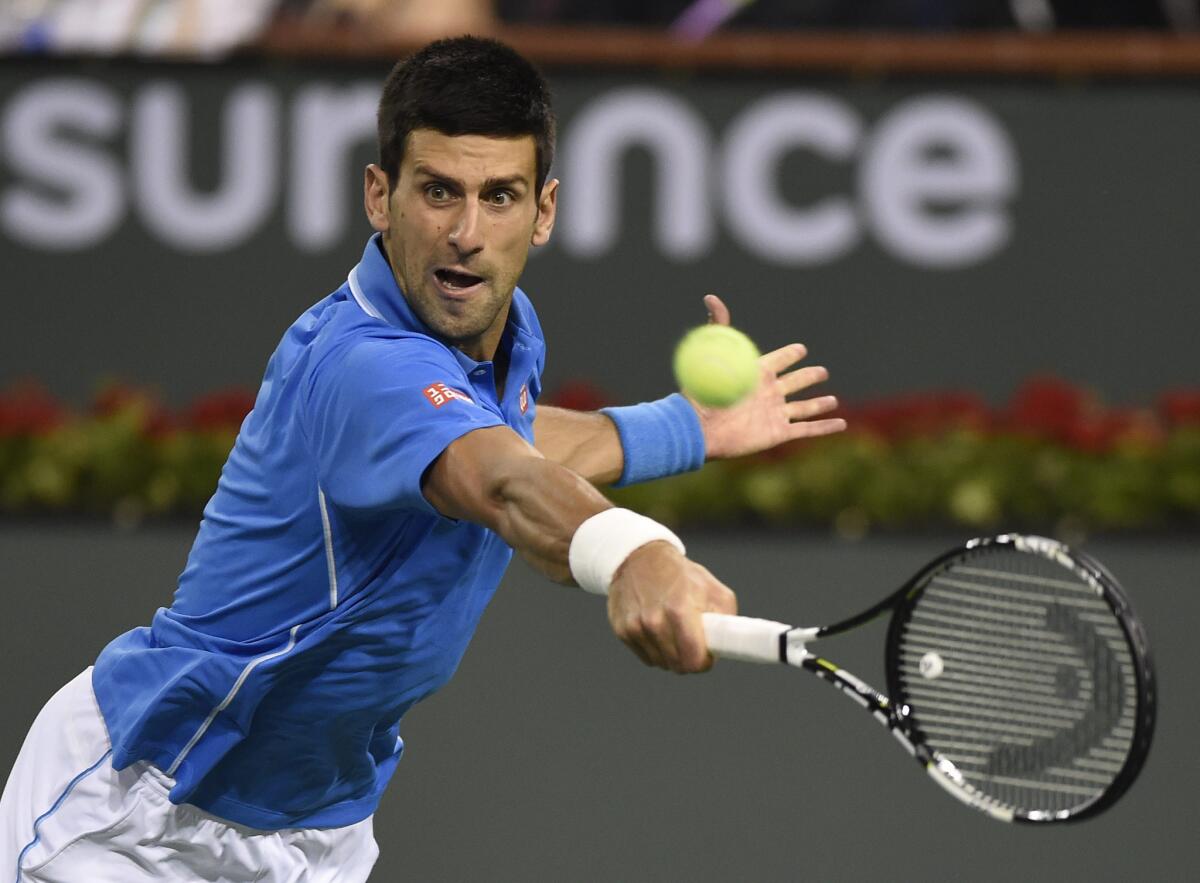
(716,365)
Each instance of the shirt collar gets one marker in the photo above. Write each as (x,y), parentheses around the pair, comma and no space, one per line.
(374,288)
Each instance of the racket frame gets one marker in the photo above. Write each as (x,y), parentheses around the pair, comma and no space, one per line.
(768,641)
(1094,574)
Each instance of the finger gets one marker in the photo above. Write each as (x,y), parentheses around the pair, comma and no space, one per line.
(802,378)
(645,646)
(807,409)
(815,428)
(632,632)
(658,640)
(723,600)
(718,313)
(668,644)
(638,651)
(691,646)
(778,361)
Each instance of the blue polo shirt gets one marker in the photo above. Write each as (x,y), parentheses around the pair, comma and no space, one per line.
(323,595)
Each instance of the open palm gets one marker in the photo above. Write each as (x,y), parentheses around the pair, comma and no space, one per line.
(768,416)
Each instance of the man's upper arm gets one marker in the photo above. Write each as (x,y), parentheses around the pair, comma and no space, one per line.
(380,413)
(495,478)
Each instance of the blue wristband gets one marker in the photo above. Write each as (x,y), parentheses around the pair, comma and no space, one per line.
(658,438)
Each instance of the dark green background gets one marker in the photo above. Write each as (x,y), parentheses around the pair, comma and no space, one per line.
(1097,283)
(553,755)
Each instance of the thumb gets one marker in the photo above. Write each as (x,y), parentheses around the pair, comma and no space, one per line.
(718,313)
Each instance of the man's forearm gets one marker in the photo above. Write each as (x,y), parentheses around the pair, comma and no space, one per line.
(539,506)
(587,443)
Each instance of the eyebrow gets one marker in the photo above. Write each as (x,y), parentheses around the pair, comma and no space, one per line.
(488,184)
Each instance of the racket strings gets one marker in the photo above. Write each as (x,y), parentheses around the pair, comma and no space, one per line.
(1015,670)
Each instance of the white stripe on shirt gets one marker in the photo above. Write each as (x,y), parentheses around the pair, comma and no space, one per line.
(253,664)
(330,564)
(356,290)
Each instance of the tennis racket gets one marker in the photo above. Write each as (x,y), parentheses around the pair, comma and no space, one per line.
(1018,675)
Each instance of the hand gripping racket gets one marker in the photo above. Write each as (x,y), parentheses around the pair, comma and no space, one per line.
(1019,677)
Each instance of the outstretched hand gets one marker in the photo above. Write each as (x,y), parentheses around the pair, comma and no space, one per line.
(766,417)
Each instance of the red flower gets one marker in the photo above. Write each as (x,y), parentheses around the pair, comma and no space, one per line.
(115,398)
(579,395)
(1180,406)
(225,409)
(1103,432)
(919,414)
(159,422)
(27,408)
(1052,408)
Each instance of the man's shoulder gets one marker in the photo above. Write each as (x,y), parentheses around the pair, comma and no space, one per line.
(337,326)
(360,347)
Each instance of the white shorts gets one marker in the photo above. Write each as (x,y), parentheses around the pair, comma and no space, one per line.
(67,816)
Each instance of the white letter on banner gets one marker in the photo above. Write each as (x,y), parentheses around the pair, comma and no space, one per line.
(327,125)
(91,196)
(599,137)
(758,218)
(249,169)
(905,183)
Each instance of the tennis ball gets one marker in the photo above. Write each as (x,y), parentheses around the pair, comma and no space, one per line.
(716,365)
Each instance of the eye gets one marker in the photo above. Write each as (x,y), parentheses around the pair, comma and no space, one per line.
(500,198)
(437,192)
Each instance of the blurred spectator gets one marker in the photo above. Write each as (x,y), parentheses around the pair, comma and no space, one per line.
(905,15)
(212,27)
(203,27)
(416,20)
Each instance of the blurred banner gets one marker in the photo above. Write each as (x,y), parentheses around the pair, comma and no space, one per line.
(165,223)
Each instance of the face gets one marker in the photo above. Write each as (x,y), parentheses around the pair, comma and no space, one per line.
(457,228)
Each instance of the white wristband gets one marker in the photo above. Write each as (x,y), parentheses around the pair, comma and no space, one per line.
(604,541)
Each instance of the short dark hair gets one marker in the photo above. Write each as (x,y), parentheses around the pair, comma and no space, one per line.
(465,86)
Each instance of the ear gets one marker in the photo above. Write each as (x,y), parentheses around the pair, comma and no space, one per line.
(376,202)
(547,210)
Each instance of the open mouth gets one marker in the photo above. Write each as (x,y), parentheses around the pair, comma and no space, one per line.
(456,280)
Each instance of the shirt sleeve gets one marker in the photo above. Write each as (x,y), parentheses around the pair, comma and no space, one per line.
(380,413)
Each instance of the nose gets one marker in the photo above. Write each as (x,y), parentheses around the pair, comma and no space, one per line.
(466,235)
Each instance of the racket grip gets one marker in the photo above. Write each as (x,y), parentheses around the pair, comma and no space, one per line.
(743,637)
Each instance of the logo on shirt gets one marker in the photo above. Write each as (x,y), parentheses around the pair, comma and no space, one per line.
(438,394)
(524,398)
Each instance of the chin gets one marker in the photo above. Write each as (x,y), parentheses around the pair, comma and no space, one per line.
(457,332)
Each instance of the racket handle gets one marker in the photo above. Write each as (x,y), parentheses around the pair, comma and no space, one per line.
(743,637)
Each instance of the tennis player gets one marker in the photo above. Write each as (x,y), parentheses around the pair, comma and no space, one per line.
(395,457)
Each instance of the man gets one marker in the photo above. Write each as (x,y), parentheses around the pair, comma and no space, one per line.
(394,458)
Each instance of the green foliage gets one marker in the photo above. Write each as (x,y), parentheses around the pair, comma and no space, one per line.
(126,457)
(1053,458)
(963,478)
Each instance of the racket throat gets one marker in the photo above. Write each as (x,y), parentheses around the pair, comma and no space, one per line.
(858,690)
(793,649)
